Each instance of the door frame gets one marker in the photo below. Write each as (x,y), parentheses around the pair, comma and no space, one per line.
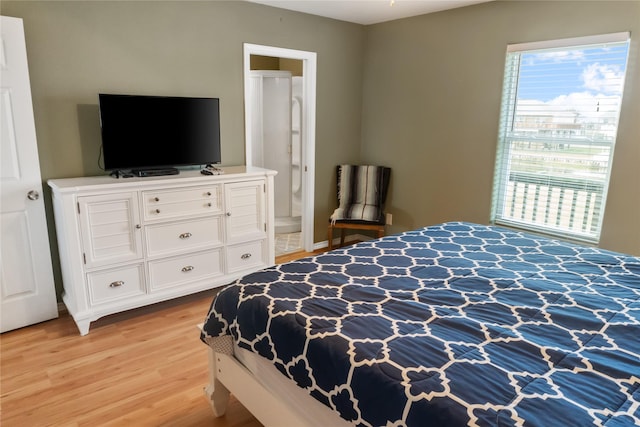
(308,134)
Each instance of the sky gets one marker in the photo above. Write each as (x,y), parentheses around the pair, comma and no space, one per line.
(553,75)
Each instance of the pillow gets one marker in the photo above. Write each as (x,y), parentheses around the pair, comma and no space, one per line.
(361,193)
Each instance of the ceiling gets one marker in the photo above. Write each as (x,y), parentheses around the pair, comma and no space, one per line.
(367,11)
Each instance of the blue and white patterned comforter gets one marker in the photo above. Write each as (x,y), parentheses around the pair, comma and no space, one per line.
(451,325)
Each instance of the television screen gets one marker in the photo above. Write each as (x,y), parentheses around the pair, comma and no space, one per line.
(153,132)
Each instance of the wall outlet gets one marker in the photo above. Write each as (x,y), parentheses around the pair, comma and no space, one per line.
(389,219)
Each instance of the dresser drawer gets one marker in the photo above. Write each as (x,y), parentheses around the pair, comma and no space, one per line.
(246,255)
(178,270)
(163,239)
(163,204)
(115,284)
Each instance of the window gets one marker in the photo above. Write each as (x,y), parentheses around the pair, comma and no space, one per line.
(558,125)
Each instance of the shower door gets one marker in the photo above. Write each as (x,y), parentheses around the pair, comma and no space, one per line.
(272,134)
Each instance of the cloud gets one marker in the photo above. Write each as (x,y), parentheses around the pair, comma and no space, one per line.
(556,56)
(584,103)
(561,55)
(587,103)
(606,79)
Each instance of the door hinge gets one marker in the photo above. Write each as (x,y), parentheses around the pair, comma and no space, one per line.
(84,258)
(78,205)
(265,226)
(264,188)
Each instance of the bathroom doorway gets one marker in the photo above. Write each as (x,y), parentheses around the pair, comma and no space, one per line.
(280,135)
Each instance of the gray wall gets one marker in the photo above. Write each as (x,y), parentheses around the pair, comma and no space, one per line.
(78,49)
(432,88)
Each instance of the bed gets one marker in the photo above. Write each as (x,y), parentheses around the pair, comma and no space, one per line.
(450,325)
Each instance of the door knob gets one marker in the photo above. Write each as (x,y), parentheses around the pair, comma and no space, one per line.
(33,195)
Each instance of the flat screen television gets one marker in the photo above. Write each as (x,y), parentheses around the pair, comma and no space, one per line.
(146,133)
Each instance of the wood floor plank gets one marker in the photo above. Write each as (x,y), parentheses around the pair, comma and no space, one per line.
(144,367)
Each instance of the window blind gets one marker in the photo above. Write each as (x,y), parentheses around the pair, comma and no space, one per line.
(558,126)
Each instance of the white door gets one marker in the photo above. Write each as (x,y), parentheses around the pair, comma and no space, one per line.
(27,292)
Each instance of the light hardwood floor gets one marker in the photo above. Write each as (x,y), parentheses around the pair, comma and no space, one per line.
(144,367)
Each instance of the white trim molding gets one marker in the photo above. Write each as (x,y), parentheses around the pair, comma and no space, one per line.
(309,70)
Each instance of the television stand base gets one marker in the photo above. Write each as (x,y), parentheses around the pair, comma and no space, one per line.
(155,172)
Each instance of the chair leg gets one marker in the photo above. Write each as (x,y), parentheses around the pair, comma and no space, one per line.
(330,235)
(381,232)
(341,237)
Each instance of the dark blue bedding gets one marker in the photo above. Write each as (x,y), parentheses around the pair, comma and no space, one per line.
(451,325)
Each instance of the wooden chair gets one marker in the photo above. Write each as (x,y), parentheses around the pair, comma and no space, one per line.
(362,191)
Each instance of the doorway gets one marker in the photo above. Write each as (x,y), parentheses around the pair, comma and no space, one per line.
(295,183)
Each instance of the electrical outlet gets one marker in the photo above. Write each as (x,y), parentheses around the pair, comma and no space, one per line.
(389,219)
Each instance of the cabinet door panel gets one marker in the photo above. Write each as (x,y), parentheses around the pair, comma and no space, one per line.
(245,206)
(110,228)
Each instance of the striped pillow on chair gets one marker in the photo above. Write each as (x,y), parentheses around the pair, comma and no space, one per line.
(362,191)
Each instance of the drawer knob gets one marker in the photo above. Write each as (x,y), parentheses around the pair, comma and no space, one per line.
(245,256)
(116,284)
(138,226)
(185,235)
(156,199)
(187,268)
(209,204)
(208,193)
(157,210)
(228,213)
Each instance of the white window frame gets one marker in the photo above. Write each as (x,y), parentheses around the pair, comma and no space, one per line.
(508,139)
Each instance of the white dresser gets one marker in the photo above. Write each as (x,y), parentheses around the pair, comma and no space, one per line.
(129,242)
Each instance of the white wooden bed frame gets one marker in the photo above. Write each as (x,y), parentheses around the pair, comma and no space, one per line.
(227,375)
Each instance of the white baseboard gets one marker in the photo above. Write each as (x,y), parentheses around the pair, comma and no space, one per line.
(348,239)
